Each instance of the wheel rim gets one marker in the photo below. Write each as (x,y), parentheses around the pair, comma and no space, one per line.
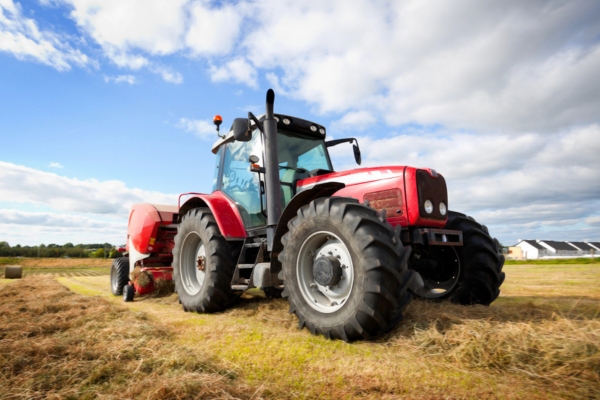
(325,299)
(438,281)
(113,279)
(192,277)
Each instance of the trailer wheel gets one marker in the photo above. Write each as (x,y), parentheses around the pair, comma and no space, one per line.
(202,264)
(345,271)
(119,275)
(471,274)
(128,293)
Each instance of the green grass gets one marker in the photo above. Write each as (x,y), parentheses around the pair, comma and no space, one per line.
(561,261)
(8,261)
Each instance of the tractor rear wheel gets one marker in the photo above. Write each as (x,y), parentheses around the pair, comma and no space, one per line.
(345,271)
(471,274)
(202,264)
(119,275)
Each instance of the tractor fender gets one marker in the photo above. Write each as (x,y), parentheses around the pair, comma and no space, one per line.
(290,211)
(223,209)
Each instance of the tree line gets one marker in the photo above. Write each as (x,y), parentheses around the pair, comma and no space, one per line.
(93,250)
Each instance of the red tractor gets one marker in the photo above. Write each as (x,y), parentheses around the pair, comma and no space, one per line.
(348,250)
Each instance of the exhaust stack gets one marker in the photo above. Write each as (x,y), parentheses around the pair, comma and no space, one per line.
(272,170)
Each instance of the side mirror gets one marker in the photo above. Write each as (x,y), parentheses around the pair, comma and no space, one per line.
(356,150)
(241,130)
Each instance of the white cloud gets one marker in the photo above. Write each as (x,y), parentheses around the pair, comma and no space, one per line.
(204,129)
(55,165)
(27,185)
(595,221)
(34,228)
(501,66)
(213,31)
(130,79)
(168,74)
(15,217)
(354,120)
(155,27)
(237,70)
(21,37)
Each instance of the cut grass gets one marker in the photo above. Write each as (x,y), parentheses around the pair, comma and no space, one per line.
(526,345)
(59,266)
(64,263)
(521,346)
(55,344)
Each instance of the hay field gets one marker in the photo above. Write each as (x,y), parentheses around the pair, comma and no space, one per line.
(540,339)
(59,266)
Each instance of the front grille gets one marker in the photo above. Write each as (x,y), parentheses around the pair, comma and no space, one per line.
(434,189)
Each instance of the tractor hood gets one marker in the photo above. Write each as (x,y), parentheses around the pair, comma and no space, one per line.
(353,176)
(399,190)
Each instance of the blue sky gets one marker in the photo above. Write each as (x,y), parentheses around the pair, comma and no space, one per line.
(107,103)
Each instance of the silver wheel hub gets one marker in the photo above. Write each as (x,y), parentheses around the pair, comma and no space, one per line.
(325,272)
(193,263)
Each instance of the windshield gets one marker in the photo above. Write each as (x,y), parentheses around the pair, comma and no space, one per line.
(301,153)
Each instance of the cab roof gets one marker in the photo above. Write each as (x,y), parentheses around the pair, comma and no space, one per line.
(296,125)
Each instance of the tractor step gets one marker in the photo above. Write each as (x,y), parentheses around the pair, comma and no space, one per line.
(239,287)
(245,266)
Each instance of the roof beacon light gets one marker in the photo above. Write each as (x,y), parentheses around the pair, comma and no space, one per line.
(218,120)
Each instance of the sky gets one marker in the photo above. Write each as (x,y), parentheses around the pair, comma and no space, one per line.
(108,103)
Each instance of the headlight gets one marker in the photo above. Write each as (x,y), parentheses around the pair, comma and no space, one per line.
(442,208)
(428,206)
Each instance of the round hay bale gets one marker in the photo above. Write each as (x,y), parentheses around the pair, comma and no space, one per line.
(13,272)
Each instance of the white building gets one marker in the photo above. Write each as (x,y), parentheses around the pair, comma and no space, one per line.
(560,249)
(531,249)
(584,248)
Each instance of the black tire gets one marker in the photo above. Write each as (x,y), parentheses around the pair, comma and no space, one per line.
(207,290)
(473,272)
(272,292)
(13,272)
(128,293)
(372,279)
(119,275)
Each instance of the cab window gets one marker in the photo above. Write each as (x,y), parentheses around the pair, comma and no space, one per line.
(241,185)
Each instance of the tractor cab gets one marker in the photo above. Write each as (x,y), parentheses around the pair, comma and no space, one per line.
(240,169)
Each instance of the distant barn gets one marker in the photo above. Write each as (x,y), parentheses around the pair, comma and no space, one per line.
(533,249)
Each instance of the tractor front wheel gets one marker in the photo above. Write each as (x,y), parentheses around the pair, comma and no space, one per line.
(119,275)
(202,264)
(345,270)
(471,274)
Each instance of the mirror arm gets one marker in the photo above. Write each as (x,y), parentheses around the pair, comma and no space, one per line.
(259,125)
(335,142)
